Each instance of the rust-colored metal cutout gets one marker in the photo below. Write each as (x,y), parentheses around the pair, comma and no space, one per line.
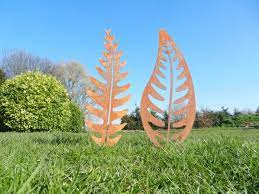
(107,93)
(170,54)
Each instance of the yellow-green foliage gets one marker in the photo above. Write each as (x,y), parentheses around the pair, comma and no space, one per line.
(35,102)
(77,118)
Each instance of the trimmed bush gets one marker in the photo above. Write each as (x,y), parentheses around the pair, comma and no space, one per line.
(35,102)
(77,118)
(2,80)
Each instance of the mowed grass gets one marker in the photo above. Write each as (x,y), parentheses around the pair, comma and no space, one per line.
(210,161)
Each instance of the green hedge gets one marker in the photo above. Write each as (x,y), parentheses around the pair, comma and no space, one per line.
(35,102)
(77,118)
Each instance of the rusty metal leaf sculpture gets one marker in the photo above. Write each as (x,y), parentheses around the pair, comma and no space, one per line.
(108,91)
(169,54)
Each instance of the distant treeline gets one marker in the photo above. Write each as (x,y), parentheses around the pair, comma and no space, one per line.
(205,118)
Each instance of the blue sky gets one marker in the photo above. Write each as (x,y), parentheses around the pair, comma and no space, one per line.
(219,39)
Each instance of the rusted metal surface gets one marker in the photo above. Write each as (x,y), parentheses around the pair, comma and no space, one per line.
(168,55)
(107,99)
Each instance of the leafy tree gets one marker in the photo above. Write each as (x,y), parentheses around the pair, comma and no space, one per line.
(257,111)
(237,112)
(223,118)
(247,120)
(133,120)
(165,119)
(205,118)
(197,122)
(209,118)
(157,116)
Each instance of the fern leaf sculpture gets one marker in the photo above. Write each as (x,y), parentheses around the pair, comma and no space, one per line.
(168,55)
(106,97)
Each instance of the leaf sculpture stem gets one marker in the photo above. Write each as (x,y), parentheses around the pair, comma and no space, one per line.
(109,90)
(167,48)
(170,100)
(111,52)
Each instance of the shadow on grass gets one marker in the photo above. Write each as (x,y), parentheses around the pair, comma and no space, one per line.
(58,139)
(4,128)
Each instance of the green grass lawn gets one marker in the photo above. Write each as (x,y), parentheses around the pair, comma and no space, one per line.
(210,161)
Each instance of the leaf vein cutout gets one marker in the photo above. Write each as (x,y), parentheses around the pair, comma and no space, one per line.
(170,54)
(106,95)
